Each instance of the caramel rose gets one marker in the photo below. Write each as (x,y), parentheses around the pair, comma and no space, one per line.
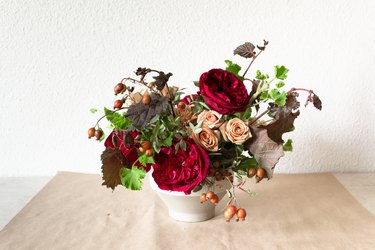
(210,118)
(236,131)
(208,139)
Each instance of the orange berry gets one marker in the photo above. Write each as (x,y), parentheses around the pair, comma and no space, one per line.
(149,152)
(142,149)
(117,104)
(91,132)
(210,194)
(261,172)
(146,99)
(241,214)
(228,216)
(232,209)
(251,172)
(119,88)
(98,134)
(146,145)
(214,199)
(203,198)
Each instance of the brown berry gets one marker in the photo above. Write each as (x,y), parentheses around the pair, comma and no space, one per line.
(146,145)
(181,105)
(228,216)
(209,195)
(142,149)
(216,164)
(149,152)
(211,172)
(241,214)
(146,99)
(203,198)
(117,104)
(119,88)
(261,172)
(219,176)
(98,134)
(214,199)
(91,132)
(251,172)
(232,209)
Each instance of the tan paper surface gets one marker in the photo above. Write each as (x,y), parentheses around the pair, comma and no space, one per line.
(306,211)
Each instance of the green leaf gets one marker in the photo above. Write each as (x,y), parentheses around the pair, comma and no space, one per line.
(93,110)
(142,158)
(183,145)
(277,97)
(288,145)
(247,113)
(196,83)
(280,72)
(103,135)
(131,178)
(247,163)
(155,119)
(234,68)
(260,76)
(280,84)
(168,141)
(117,120)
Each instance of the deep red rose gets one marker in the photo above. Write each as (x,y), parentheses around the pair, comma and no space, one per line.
(181,171)
(128,150)
(223,91)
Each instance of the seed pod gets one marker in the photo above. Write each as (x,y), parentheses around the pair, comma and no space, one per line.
(146,145)
(251,172)
(232,209)
(119,88)
(261,172)
(228,216)
(210,194)
(214,199)
(149,152)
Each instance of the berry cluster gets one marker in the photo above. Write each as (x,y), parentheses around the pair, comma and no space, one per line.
(97,133)
(146,148)
(232,210)
(211,196)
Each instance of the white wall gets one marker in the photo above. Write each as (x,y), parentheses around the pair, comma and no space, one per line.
(58,59)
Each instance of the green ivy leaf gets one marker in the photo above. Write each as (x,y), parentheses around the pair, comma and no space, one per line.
(277,97)
(131,178)
(168,141)
(260,76)
(233,68)
(93,110)
(288,145)
(280,84)
(280,72)
(117,120)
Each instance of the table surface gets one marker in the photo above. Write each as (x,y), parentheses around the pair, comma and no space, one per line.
(16,192)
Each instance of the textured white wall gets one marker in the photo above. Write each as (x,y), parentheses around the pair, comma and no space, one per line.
(58,59)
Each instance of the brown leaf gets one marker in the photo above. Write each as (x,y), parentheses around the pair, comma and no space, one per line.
(291,104)
(161,80)
(245,50)
(280,126)
(317,102)
(265,150)
(113,161)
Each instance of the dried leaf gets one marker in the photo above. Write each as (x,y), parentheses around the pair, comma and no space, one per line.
(113,161)
(245,50)
(161,80)
(291,104)
(280,126)
(265,150)
(141,114)
(317,102)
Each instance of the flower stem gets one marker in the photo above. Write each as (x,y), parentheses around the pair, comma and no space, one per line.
(248,67)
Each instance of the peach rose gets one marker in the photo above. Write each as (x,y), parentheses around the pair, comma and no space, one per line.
(236,131)
(210,118)
(208,139)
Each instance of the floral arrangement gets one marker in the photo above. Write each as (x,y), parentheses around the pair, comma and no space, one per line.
(231,129)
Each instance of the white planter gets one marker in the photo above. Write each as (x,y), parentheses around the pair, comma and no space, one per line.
(188,208)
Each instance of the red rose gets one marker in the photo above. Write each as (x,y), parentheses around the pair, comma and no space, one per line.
(187,99)
(128,150)
(223,91)
(181,171)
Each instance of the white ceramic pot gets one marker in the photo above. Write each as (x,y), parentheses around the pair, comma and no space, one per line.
(188,208)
